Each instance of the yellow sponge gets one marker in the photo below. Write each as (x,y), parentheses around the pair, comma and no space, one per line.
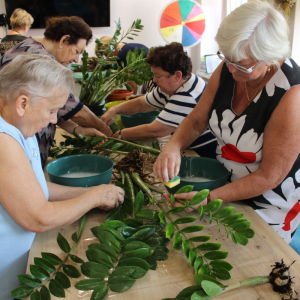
(173,182)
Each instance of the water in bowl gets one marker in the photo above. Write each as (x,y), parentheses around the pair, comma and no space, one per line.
(195,179)
(79,174)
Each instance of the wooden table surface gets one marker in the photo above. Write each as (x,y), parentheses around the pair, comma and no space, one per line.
(175,273)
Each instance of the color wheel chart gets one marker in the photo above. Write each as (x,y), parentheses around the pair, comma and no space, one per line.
(182,21)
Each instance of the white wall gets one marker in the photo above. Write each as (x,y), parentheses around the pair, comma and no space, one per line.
(149,12)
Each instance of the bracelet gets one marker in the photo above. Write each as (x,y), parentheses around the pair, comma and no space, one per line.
(74,133)
(120,135)
(208,198)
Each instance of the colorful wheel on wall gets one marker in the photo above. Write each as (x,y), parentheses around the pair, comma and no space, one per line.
(182,21)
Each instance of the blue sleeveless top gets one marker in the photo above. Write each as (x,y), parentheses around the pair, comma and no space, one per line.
(15,241)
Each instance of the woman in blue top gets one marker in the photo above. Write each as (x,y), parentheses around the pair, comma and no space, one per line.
(32,89)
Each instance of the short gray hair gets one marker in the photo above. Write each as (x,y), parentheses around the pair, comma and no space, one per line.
(254,29)
(36,76)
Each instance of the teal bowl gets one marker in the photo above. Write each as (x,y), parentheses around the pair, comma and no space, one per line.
(139,118)
(83,170)
(202,173)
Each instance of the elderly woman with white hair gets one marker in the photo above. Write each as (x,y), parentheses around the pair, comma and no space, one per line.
(251,104)
(32,89)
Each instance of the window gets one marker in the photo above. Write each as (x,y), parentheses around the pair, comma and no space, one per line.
(233,4)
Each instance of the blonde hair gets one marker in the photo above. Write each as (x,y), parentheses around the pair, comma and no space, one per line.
(20,18)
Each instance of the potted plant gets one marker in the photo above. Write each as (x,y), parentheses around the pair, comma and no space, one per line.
(107,76)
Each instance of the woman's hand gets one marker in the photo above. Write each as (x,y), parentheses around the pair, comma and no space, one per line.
(167,164)
(108,196)
(90,132)
(183,197)
(109,117)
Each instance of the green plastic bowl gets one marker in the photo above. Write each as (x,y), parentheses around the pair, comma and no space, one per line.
(139,118)
(205,167)
(101,166)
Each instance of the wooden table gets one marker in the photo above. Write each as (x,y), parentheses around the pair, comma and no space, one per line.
(175,273)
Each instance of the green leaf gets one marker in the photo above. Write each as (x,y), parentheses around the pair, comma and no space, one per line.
(143,234)
(215,254)
(213,205)
(232,218)
(177,244)
(186,248)
(170,231)
(241,239)
(176,210)
(99,292)
(63,280)
(237,222)
(193,228)
(114,224)
(39,272)
(52,258)
(223,212)
(185,220)
(198,264)
(201,211)
(185,189)
(94,270)
(71,271)
(76,259)
(88,284)
(98,256)
(116,233)
(140,253)
(248,233)
(132,222)
(56,289)
(120,283)
(199,197)
(204,269)
(105,237)
(127,231)
(211,288)
(22,292)
(187,292)
(209,246)
(200,295)
(41,262)
(139,202)
(63,244)
(35,296)
(135,245)
(74,237)
(29,280)
(201,238)
(172,198)
(123,271)
(210,217)
(241,226)
(106,249)
(162,217)
(134,262)
(148,214)
(221,273)
(159,255)
(200,277)
(218,263)
(45,294)
(192,256)
(113,215)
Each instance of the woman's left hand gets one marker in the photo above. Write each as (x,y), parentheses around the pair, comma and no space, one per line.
(183,197)
(84,131)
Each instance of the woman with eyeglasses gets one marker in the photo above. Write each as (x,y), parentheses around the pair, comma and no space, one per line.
(252,106)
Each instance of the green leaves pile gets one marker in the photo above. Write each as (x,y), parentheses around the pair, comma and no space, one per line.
(127,250)
(46,274)
(107,76)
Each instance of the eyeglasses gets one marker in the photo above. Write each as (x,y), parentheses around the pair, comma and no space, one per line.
(240,68)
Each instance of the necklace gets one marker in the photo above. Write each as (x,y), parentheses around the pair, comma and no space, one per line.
(250,100)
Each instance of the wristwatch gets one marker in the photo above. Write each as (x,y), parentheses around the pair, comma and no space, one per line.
(120,135)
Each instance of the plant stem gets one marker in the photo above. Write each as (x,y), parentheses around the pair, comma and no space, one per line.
(252,281)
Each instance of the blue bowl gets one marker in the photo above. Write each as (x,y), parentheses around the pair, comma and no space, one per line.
(82,170)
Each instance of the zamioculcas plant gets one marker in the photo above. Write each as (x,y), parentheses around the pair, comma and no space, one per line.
(105,78)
